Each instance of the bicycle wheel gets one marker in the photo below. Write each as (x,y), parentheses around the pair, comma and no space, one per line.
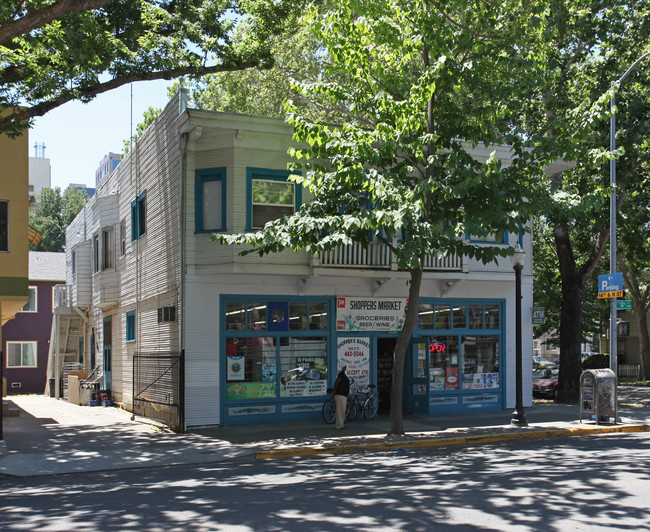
(329,411)
(352,410)
(370,406)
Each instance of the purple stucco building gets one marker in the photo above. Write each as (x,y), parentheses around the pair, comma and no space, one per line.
(26,338)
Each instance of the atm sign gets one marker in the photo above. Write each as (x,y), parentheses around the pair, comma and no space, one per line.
(437,348)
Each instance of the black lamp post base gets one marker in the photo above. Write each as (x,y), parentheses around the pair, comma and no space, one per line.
(519,418)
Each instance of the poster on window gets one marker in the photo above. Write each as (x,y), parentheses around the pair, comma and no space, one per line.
(370,314)
(236,368)
(354,353)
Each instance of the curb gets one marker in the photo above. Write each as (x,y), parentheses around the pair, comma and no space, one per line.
(456,440)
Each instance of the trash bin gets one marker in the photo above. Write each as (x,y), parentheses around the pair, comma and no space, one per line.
(52,387)
(598,395)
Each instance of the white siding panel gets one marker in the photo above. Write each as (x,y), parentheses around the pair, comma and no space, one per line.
(202,356)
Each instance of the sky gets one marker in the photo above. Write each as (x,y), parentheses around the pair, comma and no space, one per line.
(77,135)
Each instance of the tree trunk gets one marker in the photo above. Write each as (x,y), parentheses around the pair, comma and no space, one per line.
(401,349)
(570,320)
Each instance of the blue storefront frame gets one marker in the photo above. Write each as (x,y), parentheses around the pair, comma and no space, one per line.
(277,409)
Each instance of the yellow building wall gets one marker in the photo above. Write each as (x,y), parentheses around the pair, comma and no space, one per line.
(14,187)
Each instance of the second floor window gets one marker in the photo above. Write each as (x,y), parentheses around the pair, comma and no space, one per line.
(210,200)
(123,238)
(108,248)
(32,305)
(130,326)
(95,253)
(139,216)
(270,196)
(4,225)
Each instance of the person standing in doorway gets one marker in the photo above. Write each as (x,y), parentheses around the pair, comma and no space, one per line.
(341,391)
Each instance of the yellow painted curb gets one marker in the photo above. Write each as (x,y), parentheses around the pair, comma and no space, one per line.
(516,434)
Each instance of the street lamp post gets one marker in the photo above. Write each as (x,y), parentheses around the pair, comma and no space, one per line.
(613,333)
(519,415)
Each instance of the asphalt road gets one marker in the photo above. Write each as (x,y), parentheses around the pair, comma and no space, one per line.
(582,483)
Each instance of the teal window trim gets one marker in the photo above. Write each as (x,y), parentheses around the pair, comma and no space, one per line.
(271,175)
(204,176)
(139,216)
(4,225)
(130,326)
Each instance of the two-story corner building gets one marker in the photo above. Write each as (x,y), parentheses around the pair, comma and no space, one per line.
(181,327)
(27,337)
(14,222)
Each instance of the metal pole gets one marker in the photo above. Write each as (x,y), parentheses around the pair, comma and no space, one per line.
(613,332)
(519,415)
(613,338)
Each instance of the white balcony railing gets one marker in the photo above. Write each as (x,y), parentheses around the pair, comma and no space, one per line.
(379,256)
(62,296)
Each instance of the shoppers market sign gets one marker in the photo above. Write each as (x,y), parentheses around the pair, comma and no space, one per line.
(370,314)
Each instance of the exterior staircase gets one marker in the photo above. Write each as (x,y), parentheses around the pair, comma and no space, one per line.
(68,328)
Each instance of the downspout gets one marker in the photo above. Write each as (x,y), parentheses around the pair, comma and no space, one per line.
(181,347)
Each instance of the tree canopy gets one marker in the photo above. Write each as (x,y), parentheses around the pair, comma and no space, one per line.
(418,78)
(592,44)
(54,212)
(55,51)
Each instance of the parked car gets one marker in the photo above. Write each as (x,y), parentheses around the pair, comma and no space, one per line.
(541,362)
(545,382)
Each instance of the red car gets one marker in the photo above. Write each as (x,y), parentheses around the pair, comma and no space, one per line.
(545,382)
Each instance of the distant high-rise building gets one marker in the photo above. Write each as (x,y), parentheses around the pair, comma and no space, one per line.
(40,174)
(90,191)
(106,167)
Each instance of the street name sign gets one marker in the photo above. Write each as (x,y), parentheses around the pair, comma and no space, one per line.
(624,305)
(610,285)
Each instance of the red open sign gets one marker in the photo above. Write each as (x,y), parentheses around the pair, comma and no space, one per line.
(439,348)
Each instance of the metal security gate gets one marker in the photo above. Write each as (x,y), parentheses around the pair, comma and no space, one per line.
(158,387)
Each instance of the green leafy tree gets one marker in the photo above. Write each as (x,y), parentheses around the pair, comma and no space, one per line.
(418,77)
(634,259)
(52,52)
(298,56)
(54,212)
(592,42)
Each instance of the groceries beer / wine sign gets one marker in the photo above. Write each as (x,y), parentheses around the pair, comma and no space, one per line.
(370,314)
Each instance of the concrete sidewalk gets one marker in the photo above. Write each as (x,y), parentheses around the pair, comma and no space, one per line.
(55,437)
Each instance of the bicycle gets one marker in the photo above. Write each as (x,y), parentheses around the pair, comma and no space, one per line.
(329,407)
(351,408)
(368,408)
(371,404)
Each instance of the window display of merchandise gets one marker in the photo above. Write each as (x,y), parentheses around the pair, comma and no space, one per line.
(255,365)
(478,358)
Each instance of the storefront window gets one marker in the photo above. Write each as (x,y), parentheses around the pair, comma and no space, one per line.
(491,316)
(318,316)
(443,317)
(257,316)
(303,367)
(480,362)
(443,363)
(250,370)
(235,313)
(459,313)
(298,316)
(476,316)
(425,316)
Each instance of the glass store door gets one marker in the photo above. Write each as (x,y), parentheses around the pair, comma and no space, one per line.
(416,377)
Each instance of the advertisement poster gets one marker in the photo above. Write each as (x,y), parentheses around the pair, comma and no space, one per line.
(452,378)
(370,314)
(486,380)
(250,390)
(236,368)
(354,353)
